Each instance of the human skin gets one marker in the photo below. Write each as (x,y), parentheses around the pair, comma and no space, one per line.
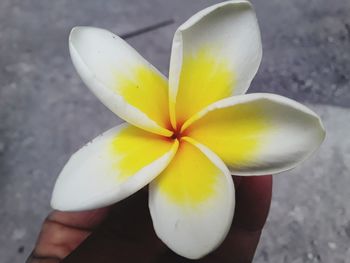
(124,232)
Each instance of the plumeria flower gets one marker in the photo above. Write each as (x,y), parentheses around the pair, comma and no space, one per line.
(186,136)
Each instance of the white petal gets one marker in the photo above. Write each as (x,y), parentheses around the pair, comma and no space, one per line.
(258,134)
(192,201)
(110,168)
(226,33)
(124,81)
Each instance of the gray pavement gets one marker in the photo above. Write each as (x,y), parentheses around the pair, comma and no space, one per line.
(46,112)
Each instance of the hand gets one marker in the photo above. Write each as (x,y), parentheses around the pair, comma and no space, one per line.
(124,232)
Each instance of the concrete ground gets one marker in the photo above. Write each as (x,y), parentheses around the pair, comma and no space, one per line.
(46,112)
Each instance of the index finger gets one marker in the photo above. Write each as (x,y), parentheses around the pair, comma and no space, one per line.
(62,232)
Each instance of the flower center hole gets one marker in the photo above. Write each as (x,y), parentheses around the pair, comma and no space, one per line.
(176,135)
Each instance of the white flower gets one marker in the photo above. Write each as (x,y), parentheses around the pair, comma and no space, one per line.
(185,137)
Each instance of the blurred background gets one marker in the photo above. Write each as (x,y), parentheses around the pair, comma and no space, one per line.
(46,113)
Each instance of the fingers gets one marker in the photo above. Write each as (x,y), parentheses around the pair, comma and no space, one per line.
(62,232)
(126,236)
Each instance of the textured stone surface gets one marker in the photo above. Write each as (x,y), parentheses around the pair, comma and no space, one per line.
(46,113)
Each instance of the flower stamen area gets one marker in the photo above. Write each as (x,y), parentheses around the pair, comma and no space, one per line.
(177,134)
